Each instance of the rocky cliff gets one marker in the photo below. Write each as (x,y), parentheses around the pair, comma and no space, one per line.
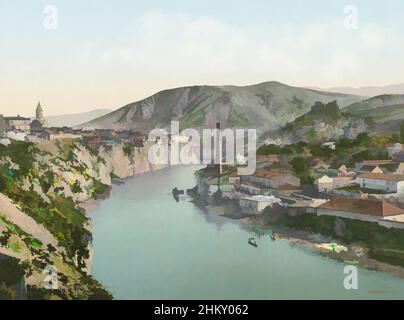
(41,188)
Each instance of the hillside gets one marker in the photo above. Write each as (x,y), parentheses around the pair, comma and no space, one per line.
(266,106)
(381,108)
(324,121)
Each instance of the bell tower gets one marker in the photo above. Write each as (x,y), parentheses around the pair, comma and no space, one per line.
(39,114)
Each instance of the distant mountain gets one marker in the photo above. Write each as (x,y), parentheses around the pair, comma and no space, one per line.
(380,108)
(71,120)
(368,91)
(265,106)
(387,111)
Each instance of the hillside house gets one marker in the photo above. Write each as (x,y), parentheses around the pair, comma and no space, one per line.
(390,183)
(331,145)
(374,163)
(324,184)
(257,204)
(359,209)
(18,123)
(252,189)
(318,164)
(343,168)
(271,178)
(394,149)
(372,169)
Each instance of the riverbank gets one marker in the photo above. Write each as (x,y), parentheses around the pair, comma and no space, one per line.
(326,245)
(149,246)
(350,254)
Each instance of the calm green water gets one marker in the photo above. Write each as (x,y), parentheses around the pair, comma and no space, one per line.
(147,246)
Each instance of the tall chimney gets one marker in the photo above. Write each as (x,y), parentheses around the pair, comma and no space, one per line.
(218,154)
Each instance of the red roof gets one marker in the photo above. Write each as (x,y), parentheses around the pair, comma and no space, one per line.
(382,176)
(363,206)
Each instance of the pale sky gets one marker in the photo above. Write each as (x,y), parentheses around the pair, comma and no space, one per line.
(107,53)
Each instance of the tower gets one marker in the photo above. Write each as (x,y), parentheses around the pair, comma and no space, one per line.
(39,114)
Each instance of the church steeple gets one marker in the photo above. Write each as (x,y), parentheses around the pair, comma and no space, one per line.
(39,107)
(39,114)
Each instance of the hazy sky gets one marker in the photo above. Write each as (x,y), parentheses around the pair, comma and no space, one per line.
(106,53)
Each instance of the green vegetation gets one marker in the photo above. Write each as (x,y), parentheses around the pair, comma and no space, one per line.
(237,118)
(22,154)
(386,245)
(99,188)
(301,168)
(113,175)
(60,216)
(357,188)
(128,149)
(287,149)
(195,119)
(402,133)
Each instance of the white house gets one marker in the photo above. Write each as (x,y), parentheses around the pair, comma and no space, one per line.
(391,183)
(257,204)
(330,145)
(343,168)
(394,149)
(276,142)
(16,135)
(324,184)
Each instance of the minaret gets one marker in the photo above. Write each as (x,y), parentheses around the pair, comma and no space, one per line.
(39,114)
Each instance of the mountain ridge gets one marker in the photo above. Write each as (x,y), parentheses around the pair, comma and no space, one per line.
(369,91)
(265,106)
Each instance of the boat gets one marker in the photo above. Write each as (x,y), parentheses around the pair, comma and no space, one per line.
(252,242)
(118,181)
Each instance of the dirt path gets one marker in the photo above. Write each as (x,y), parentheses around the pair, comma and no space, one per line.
(25,222)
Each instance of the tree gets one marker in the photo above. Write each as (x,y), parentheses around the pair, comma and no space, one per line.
(402,133)
(3,184)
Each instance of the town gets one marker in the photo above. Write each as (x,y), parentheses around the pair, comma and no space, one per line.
(347,186)
(358,177)
(17,128)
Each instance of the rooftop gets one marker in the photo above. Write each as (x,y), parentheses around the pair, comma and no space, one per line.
(382,176)
(370,162)
(271,199)
(269,173)
(363,206)
(16,118)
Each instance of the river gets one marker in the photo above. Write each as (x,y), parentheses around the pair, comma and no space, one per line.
(147,246)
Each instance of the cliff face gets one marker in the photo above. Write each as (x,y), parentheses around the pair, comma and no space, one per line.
(77,175)
(41,186)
